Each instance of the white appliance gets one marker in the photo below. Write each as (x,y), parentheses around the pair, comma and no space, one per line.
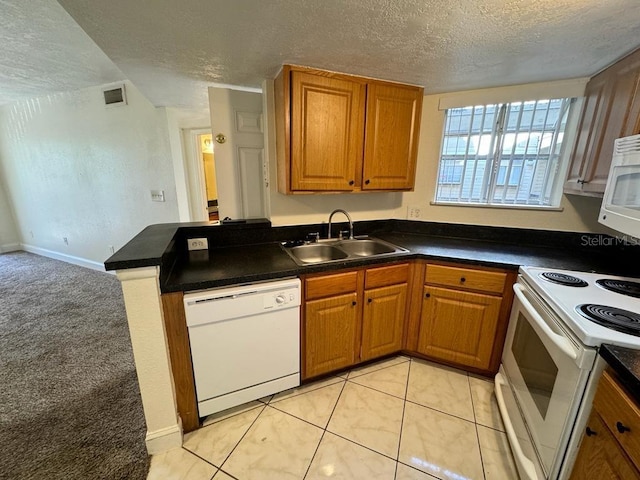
(245,342)
(550,367)
(620,208)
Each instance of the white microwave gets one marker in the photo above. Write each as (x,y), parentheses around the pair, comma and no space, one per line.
(620,208)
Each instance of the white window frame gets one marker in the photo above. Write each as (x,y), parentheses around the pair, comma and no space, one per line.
(571,88)
(497,158)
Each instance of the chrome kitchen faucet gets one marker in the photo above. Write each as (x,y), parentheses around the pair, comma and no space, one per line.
(348,218)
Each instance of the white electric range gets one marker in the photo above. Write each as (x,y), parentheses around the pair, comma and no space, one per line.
(550,367)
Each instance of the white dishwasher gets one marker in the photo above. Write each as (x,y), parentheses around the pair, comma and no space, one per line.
(245,342)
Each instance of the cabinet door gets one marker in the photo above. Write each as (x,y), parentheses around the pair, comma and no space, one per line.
(458,327)
(331,338)
(383,321)
(611,110)
(600,456)
(391,138)
(327,125)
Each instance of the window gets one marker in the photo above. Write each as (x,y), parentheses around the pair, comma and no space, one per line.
(503,154)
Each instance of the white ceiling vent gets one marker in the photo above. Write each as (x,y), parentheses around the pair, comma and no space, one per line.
(115,96)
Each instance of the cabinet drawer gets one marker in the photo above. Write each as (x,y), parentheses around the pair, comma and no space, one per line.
(389,275)
(465,278)
(619,412)
(327,285)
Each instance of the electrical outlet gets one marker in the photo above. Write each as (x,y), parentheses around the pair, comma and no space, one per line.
(197,244)
(157,195)
(414,212)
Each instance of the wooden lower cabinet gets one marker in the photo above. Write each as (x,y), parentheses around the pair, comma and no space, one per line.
(600,455)
(458,327)
(342,329)
(610,447)
(383,321)
(331,334)
(458,314)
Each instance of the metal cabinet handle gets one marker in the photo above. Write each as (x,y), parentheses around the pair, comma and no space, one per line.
(580,181)
(369,300)
(353,304)
(462,279)
(367,182)
(427,295)
(590,432)
(622,428)
(351,182)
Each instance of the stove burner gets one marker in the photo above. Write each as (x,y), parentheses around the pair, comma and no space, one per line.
(563,279)
(611,317)
(632,289)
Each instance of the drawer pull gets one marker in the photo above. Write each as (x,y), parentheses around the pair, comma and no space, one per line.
(354,303)
(590,432)
(462,279)
(351,182)
(427,295)
(369,300)
(622,428)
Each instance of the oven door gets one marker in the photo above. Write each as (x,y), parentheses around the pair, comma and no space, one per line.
(547,370)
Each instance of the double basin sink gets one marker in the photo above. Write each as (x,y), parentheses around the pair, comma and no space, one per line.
(330,250)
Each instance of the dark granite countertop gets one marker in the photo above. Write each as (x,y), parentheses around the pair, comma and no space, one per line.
(251,252)
(626,363)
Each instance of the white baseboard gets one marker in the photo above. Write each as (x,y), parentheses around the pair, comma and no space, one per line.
(83,262)
(10,247)
(164,439)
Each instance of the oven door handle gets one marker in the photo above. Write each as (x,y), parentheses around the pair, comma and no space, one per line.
(523,461)
(559,341)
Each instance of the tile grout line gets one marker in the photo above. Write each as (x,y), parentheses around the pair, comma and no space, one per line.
(219,421)
(475,424)
(377,369)
(324,431)
(404,406)
(242,437)
(340,379)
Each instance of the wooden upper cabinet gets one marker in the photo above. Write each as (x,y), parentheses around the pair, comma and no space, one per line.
(342,133)
(391,137)
(611,110)
(327,121)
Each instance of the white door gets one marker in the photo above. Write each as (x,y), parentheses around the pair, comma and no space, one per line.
(237,127)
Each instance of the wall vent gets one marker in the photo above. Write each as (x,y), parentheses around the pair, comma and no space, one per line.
(115,96)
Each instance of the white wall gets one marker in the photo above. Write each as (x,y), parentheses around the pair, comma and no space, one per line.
(179,120)
(579,213)
(75,168)
(8,231)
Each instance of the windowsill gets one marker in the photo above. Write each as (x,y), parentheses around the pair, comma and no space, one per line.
(499,206)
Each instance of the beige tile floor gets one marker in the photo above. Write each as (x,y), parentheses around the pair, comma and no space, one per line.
(401,418)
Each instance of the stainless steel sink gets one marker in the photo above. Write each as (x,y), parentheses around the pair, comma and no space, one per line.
(366,247)
(315,253)
(326,251)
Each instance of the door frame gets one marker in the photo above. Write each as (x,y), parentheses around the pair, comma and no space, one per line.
(195,173)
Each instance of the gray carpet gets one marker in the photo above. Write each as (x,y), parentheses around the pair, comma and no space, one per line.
(70,403)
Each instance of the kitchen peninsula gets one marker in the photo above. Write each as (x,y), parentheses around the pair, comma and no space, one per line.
(155,267)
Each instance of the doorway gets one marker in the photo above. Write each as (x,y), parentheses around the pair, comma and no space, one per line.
(201,168)
(205,140)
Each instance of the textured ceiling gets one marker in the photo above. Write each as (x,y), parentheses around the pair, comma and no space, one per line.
(172,49)
(44,51)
